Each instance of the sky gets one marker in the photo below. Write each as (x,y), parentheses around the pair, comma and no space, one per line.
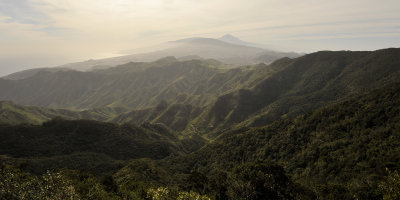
(45,33)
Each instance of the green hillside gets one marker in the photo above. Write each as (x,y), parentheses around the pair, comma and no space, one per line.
(11,113)
(297,86)
(304,84)
(62,143)
(203,97)
(339,151)
(258,95)
(176,116)
(132,85)
(321,126)
(343,148)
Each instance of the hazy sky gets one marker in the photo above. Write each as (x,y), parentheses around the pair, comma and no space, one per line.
(41,33)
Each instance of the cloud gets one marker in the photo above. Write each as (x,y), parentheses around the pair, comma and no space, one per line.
(23,12)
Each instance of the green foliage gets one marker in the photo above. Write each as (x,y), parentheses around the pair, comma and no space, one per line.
(164,193)
(218,184)
(340,149)
(175,116)
(132,85)
(259,181)
(160,193)
(335,191)
(17,185)
(138,176)
(91,186)
(11,113)
(197,182)
(301,86)
(391,186)
(84,144)
(203,99)
(60,137)
(191,196)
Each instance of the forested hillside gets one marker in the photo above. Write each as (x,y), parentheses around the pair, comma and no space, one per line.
(298,86)
(303,85)
(203,97)
(321,126)
(132,86)
(85,144)
(342,149)
(11,113)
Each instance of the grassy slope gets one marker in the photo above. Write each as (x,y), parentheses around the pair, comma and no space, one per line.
(11,113)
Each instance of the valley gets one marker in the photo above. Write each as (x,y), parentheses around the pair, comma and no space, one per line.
(324,125)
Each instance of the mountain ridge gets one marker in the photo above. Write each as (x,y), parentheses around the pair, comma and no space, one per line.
(231,53)
(223,98)
(321,126)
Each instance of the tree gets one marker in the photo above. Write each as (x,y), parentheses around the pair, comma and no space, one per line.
(259,181)
(391,187)
(18,185)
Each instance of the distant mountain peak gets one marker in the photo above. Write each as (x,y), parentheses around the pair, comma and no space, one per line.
(234,40)
(229,37)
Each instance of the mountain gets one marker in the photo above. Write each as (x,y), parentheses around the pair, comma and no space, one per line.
(229,50)
(11,113)
(267,56)
(31,72)
(342,149)
(232,53)
(321,126)
(234,40)
(131,86)
(175,116)
(203,97)
(298,86)
(303,84)
(215,49)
